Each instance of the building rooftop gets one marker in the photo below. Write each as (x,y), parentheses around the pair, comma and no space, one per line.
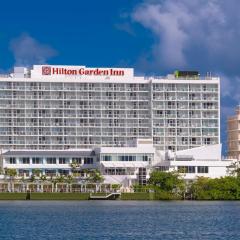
(83,72)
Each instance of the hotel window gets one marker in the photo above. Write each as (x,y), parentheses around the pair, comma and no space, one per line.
(107,158)
(202,169)
(12,160)
(36,160)
(88,161)
(22,172)
(127,158)
(50,172)
(25,161)
(122,158)
(145,158)
(120,171)
(207,141)
(77,160)
(51,160)
(63,172)
(186,169)
(131,158)
(63,161)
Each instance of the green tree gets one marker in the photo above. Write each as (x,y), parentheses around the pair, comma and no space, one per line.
(69,179)
(11,172)
(166,181)
(225,188)
(95,177)
(43,178)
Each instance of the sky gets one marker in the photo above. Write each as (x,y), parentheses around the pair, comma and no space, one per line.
(155,37)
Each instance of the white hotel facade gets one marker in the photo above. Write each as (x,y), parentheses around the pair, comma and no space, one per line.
(60,109)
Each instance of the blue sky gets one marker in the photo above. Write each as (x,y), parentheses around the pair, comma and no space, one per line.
(81,32)
(153,36)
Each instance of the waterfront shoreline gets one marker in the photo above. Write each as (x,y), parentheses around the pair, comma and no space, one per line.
(86,197)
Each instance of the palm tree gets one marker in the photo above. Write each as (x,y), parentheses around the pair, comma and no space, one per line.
(96,178)
(43,179)
(36,177)
(74,167)
(11,173)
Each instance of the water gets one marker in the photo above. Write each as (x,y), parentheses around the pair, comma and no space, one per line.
(119,220)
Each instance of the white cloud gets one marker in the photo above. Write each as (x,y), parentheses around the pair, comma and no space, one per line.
(28,51)
(192,33)
(165,22)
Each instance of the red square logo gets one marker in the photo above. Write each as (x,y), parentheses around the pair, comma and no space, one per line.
(46,70)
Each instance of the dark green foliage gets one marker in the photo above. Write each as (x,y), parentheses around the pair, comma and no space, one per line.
(166,181)
(170,186)
(227,188)
(166,185)
(95,177)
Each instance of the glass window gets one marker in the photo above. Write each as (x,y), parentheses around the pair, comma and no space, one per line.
(50,172)
(63,172)
(202,169)
(36,160)
(186,169)
(63,160)
(120,158)
(88,160)
(107,158)
(191,169)
(51,160)
(22,172)
(77,160)
(25,160)
(12,160)
(145,158)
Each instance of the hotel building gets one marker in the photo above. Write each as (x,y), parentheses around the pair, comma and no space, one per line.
(111,120)
(69,107)
(120,165)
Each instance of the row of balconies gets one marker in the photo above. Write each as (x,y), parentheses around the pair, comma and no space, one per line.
(162,98)
(102,124)
(186,134)
(175,125)
(173,116)
(184,107)
(121,87)
(156,89)
(69,103)
(75,108)
(73,125)
(102,116)
(73,98)
(139,99)
(73,88)
(100,134)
